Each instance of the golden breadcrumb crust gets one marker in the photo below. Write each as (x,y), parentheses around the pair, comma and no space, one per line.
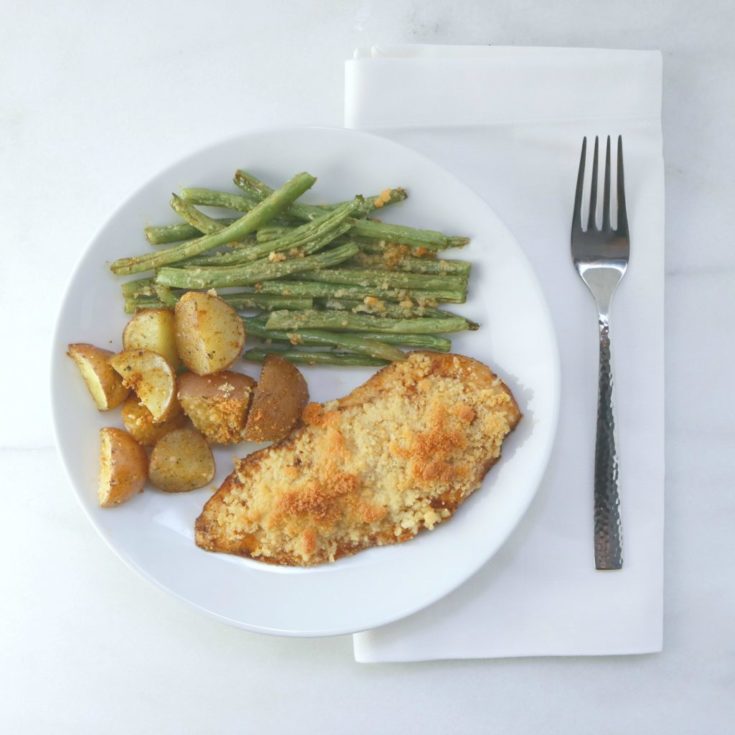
(397,455)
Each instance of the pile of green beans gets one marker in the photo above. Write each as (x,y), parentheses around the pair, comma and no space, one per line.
(329,283)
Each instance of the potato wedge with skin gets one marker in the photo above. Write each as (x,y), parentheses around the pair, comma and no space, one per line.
(153,329)
(123,467)
(138,421)
(217,404)
(209,333)
(278,401)
(181,461)
(152,378)
(105,385)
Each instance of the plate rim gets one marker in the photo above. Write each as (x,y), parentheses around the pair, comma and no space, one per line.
(555,380)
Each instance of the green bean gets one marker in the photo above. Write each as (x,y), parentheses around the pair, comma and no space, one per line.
(250,222)
(315,358)
(388,279)
(256,327)
(212,198)
(349,342)
(271,233)
(194,217)
(344,321)
(379,308)
(310,237)
(371,229)
(240,300)
(138,287)
(327,290)
(227,200)
(391,195)
(252,252)
(381,247)
(413,265)
(246,275)
(232,254)
(257,188)
(166,295)
(166,234)
(147,302)
(258,320)
(251,184)
(422,341)
(265,301)
(404,235)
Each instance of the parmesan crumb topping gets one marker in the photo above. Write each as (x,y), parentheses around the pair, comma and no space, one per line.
(397,455)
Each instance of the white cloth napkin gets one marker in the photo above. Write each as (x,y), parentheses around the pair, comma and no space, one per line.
(510,122)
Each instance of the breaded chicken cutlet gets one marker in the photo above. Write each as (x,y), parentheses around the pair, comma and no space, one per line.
(397,455)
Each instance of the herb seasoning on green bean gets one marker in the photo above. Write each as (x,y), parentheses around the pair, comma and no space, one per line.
(317,284)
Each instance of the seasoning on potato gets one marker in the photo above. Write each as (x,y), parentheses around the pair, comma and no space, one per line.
(181,461)
(278,401)
(210,335)
(123,467)
(217,404)
(138,420)
(103,383)
(152,378)
(153,329)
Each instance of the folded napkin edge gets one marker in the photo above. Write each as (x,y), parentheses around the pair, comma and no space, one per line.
(611,652)
(410,52)
(526,85)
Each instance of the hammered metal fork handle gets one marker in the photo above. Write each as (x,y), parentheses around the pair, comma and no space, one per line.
(608,545)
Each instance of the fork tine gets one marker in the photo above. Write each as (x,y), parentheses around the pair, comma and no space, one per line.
(622,210)
(591,224)
(577,214)
(606,190)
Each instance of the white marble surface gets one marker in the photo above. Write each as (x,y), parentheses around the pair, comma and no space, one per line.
(95,97)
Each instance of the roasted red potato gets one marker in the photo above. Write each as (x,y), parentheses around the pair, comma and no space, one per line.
(123,467)
(278,401)
(104,384)
(217,404)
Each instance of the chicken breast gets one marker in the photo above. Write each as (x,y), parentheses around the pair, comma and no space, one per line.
(397,455)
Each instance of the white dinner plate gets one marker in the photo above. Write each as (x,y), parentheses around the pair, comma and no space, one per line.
(153,532)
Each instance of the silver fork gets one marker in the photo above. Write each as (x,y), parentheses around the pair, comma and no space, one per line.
(600,256)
